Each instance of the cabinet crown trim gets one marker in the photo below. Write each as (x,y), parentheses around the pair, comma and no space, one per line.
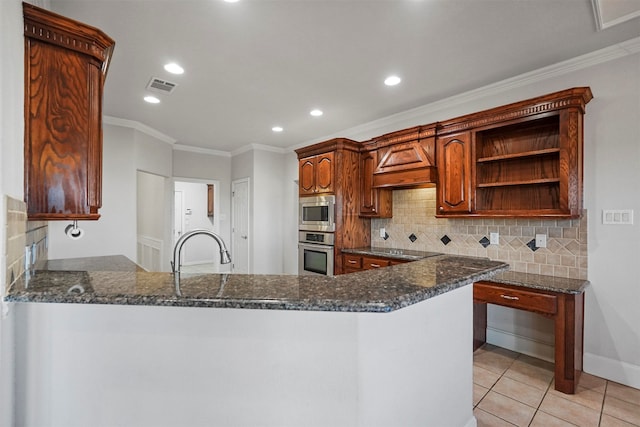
(576,97)
(55,29)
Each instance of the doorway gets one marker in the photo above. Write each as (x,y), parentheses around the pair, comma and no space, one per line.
(240,227)
(194,208)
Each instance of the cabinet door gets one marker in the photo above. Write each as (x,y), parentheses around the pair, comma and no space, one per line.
(307,178)
(324,173)
(64,77)
(373,202)
(454,173)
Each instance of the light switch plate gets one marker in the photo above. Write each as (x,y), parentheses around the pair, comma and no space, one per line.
(617,217)
(383,232)
(494,238)
(541,240)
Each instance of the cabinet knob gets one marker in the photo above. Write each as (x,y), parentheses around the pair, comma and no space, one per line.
(441,208)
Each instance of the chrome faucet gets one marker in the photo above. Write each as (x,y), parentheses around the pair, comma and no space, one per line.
(177,249)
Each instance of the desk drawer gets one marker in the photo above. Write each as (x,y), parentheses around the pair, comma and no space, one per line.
(495,293)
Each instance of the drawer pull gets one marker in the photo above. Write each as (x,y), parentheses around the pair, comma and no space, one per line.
(375,265)
(352,261)
(509,297)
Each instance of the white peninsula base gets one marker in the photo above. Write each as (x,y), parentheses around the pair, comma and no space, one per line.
(112,365)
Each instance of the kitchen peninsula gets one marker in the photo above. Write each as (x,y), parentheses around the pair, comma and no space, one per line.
(123,346)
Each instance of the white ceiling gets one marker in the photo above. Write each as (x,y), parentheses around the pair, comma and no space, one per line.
(258,63)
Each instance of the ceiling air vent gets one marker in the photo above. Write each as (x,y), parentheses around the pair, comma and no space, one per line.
(160,85)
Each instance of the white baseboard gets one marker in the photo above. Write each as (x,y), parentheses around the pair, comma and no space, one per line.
(521,344)
(611,369)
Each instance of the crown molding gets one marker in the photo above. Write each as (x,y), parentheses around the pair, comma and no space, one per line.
(258,147)
(132,124)
(414,115)
(601,24)
(199,150)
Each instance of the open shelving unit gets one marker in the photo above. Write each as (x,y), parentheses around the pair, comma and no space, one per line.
(517,167)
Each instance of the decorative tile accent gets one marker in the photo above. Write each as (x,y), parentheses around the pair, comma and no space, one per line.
(412,237)
(414,212)
(485,242)
(532,245)
(386,236)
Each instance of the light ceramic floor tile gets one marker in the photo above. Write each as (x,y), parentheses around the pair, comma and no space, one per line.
(486,419)
(622,410)
(484,377)
(495,359)
(521,392)
(538,363)
(570,411)
(591,382)
(507,409)
(478,393)
(622,392)
(542,419)
(529,374)
(609,421)
(585,397)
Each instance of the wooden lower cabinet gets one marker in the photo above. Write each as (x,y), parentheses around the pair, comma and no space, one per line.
(353,263)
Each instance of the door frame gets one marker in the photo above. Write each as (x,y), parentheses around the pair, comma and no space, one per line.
(246,180)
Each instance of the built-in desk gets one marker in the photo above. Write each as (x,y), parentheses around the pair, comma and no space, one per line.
(558,298)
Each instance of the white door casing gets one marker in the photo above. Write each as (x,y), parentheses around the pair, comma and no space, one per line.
(240,239)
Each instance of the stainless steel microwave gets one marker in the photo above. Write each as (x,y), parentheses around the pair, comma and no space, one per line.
(316,213)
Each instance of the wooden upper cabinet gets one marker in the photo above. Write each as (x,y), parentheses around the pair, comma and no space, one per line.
(65,67)
(316,175)
(454,174)
(374,202)
(526,159)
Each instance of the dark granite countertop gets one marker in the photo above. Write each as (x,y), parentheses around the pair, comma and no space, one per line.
(542,282)
(401,254)
(116,280)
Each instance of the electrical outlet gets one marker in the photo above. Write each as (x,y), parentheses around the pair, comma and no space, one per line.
(541,240)
(383,232)
(494,238)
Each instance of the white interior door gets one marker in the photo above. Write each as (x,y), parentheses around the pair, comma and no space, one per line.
(240,226)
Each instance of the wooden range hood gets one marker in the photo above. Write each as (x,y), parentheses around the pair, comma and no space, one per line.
(404,159)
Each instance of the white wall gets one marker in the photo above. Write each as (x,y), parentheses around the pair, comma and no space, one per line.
(11,176)
(290,214)
(271,203)
(203,166)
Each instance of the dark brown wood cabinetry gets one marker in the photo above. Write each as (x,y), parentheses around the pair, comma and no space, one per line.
(353,263)
(526,159)
(454,173)
(351,230)
(65,67)
(316,174)
(374,202)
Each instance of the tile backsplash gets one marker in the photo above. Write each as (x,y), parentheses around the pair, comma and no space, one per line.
(414,215)
(22,234)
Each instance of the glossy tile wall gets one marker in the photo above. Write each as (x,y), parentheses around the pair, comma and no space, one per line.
(414,214)
(22,234)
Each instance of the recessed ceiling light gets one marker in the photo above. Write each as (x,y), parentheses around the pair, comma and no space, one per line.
(230,1)
(316,112)
(151,99)
(277,129)
(392,80)
(174,68)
